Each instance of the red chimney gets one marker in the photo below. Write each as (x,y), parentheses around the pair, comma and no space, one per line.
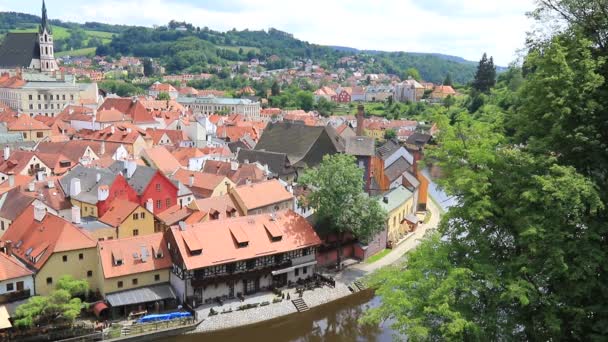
(360,120)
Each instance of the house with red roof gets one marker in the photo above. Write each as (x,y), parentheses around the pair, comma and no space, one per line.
(16,280)
(240,256)
(157,88)
(51,247)
(29,128)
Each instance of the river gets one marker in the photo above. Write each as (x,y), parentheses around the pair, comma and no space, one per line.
(335,321)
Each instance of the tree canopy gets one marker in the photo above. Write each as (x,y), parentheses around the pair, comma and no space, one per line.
(485,77)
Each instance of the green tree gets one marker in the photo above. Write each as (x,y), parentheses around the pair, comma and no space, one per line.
(148,68)
(325,107)
(448,80)
(163,96)
(485,78)
(305,100)
(411,73)
(390,134)
(340,204)
(59,305)
(449,101)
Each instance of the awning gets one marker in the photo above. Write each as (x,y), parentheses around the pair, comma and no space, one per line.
(288,269)
(98,308)
(141,295)
(412,218)
(4,318)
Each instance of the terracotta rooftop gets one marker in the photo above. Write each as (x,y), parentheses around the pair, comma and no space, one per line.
(204,183)
(26,123)
(129,251)
(11,268)
(118,212)
(258,195)
(217,240)
(162,159)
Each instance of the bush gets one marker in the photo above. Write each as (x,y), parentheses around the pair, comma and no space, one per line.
(277,300)
(212,312)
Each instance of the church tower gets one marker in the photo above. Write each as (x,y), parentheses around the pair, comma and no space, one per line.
(45,39)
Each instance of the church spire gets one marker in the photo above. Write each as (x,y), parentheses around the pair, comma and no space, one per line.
(44,23)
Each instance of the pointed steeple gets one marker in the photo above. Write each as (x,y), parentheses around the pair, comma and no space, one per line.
(44,25)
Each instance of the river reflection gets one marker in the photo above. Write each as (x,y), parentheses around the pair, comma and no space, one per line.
(336,321)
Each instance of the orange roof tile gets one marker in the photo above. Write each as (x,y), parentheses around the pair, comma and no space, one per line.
(216,238)
(26,123)
(11,268)
(153,246)
(162,159)
(205,183)
(257,195)
(118,212)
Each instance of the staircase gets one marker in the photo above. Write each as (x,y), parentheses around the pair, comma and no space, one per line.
(356,286)
(300,304)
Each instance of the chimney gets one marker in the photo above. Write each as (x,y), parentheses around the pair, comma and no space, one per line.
(31,187)
(228,187)
(7,152)
(40,176)
(150,205)
(102,148)
(74,187)
(385,199)
(76,215)
(8,247)
(11,179)
(103,192)
(112,130)
(97,177)
(191,179)
(39,212)
(144,254)
(234,166)
(51,184)
(360,120)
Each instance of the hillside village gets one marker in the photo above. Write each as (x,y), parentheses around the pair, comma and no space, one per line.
(184,197)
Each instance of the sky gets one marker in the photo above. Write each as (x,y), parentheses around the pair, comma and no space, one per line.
(464,28)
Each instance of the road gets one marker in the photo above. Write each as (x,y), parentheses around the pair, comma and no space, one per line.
(356,271)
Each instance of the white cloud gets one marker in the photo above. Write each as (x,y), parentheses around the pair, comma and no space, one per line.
(465,28)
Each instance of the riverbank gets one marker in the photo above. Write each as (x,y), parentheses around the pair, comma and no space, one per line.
(234,318)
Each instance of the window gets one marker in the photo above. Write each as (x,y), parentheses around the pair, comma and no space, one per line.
(31,106)
(158,187)
(80,256)
(9,287)
(134,281)
(39,134)
(39,106)
(168,202)
(156,277)
(24,135)
(158,204)
(65,258)
(142,215)
(2,222)
(57,97)
(49,280)
(72,97)
(63,97)
(31,97)
(135,232)
(297,272)
(89,274)
(304,270)
(38,97)
(119,285)
(136,216)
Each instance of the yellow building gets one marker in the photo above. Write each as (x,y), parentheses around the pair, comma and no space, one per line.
(398,203)
(30,128)
(127,219)
(139,263)
(52,247)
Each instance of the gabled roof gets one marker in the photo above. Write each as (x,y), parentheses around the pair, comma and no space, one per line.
(218,246)
(18,49)
(141,177)
(387,150)
(11,268)
(396,169)
(13,203)
(160,157)
(119,211)
(130,250)
(258,195)
(26,123)
(204,183)
(221,204)
(360,146)
(88,182)
(278,163)
(396,197)
(300,142)
(34,242)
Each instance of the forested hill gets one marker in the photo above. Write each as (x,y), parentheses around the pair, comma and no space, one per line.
(183,47)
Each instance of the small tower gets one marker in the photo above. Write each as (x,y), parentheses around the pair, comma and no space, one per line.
(45,39)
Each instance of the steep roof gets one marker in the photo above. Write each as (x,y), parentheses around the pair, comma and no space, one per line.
(130,250)
(396,197)
(162,159)
(360,146)
(88,182)
(34,242)
(18,49)
(221,204)
(278,163)
(13,203)
(217,238)
(257,195)
(204,183)
(301,143)
(141,177)
(26,123)
(396,169)
(118,212)
(11,268)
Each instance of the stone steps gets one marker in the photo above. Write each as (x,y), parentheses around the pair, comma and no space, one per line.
(359,285)
(300,304)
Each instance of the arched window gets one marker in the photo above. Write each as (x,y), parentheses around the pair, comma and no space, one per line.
(46,50)
(45,38)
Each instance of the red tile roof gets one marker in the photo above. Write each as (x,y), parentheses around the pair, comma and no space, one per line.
(258,195)
(26,123)
(34,242)
(118,212)
(217,238)
(204,183)
(11,268)
(130,250)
